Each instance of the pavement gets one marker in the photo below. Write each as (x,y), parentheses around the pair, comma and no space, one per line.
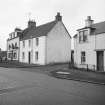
(80,75)
(62,71)
(28,87)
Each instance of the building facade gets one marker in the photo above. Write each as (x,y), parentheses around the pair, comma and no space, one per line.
(45,44)
(13,45)
(3,55)
(89,47)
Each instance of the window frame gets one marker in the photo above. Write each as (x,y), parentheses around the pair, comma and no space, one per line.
(83,57)
(14,55)
(9,46)
(13,34)
(36,55)
(83,37)
(23,55)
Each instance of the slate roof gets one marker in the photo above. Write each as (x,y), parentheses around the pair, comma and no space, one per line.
(99,27)
(38,31)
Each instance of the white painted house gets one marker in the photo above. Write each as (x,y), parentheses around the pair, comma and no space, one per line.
(89,46)
(45,44)
(13,45)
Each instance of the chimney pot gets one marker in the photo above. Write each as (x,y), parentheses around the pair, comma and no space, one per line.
(88,21)
(88,17)
(58,17)
(31,23)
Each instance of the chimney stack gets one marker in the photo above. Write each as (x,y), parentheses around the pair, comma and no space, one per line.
(31,23)
(58,17)
(88,21)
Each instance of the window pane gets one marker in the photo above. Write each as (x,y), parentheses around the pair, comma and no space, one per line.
(23,55)
(81,36)
(15,55)
(85,35)
(9,47)
(14,35)
(83,57)
(36,55)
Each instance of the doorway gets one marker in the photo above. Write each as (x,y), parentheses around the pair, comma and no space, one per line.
(100,60)
(29,57)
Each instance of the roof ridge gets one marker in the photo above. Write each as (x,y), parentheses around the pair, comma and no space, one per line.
(98,23)
(45,23)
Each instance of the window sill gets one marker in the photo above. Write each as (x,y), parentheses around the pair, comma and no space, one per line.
(82,42)
(83,63)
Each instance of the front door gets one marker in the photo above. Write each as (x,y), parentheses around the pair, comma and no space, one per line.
(29,57)
(100,60)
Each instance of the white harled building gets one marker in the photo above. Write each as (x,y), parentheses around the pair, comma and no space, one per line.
(45,44)
(13,45)
(89,46)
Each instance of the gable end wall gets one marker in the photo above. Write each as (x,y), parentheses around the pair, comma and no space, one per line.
(58,45)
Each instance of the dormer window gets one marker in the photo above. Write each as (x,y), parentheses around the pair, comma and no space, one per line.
(14,35)
(10,36)
(83,36)
(83,57)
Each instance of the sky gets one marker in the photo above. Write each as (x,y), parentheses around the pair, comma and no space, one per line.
(16,13)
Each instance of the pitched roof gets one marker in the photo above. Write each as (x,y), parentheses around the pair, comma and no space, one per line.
(75,36)
(97,28)
(38,31)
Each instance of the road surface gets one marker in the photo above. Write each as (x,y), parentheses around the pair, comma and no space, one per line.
(32,88)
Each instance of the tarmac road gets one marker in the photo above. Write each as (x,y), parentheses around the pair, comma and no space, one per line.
(32,88)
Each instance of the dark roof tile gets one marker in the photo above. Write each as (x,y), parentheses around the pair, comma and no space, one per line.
(99,27)
(38,31)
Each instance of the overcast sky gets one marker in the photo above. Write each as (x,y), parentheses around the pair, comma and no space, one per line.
(14,13)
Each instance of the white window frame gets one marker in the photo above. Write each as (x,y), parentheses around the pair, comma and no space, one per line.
(82,36)
(23,55)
